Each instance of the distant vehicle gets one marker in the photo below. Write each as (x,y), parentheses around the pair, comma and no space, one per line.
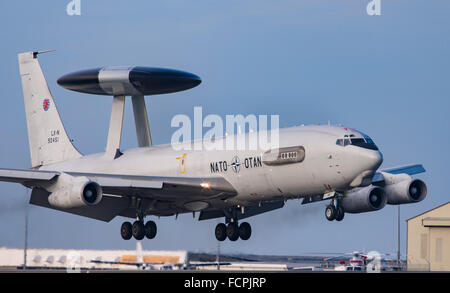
(314,163)
(350,268)
(361,261)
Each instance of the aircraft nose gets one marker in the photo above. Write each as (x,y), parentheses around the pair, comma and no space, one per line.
(369,162)
(373,159)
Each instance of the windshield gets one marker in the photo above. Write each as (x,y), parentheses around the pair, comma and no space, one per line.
(365,142)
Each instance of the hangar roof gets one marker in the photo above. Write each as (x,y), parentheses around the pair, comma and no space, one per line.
(440,206)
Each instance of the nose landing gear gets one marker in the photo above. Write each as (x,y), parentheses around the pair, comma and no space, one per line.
(334,211)
(330,213)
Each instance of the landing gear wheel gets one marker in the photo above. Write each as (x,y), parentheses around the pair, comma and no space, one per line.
(221,232)
(233,231)
(138,230)
(150,229)
(245,231)
(330,213)
(125,231)
(340,213)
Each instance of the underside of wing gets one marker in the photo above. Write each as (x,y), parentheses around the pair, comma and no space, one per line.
(123,194)
(106,210)
(162,188)
(250,211)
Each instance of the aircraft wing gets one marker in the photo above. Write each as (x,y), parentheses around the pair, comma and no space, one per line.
(118,189)
(154,187)
(26,177)
(410,170)
(208,264)
(250,211)
(164,188)
(139,264)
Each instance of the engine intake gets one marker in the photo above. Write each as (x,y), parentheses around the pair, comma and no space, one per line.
(92,193)
(367,199)
(407,191)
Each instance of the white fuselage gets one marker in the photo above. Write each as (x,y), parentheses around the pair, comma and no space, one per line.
(326,166)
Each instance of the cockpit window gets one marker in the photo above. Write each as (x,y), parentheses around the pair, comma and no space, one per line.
(365,142)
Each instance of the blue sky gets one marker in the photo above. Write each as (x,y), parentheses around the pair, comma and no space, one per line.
(307,61)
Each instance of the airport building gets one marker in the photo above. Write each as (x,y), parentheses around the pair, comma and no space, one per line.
(428,240)
(72,260)
(11,258)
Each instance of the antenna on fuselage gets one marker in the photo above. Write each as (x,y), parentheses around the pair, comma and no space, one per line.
(136,82)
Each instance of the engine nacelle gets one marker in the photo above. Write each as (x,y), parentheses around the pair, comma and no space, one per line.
(404,189)
(367,199)
(71,192)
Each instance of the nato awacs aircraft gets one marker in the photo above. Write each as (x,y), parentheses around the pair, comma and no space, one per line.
(312,163)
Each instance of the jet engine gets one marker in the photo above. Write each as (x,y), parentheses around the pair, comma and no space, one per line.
(367,199)
(71,192)
(401,189)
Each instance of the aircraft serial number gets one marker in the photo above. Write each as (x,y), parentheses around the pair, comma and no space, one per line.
(54,136)
(53,139)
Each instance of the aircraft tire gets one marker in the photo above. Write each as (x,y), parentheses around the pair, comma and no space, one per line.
(150,229)
(138,230)
(245,231)
(233,231)
(221,232)
(340,213)
(126,231)
(330,213)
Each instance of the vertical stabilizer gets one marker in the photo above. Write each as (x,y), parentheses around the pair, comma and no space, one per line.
(47,137)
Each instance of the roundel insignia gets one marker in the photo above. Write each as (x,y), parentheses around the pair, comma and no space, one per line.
(46,104)
(235,164)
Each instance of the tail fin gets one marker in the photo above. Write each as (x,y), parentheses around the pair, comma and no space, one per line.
(47,137)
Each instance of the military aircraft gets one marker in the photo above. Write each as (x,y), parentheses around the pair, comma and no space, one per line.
(312,163)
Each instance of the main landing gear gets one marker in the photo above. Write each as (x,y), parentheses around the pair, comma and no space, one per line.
(334,211)
(233,231)
(138,230)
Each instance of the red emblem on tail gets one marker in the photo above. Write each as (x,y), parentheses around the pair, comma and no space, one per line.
(46,104)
